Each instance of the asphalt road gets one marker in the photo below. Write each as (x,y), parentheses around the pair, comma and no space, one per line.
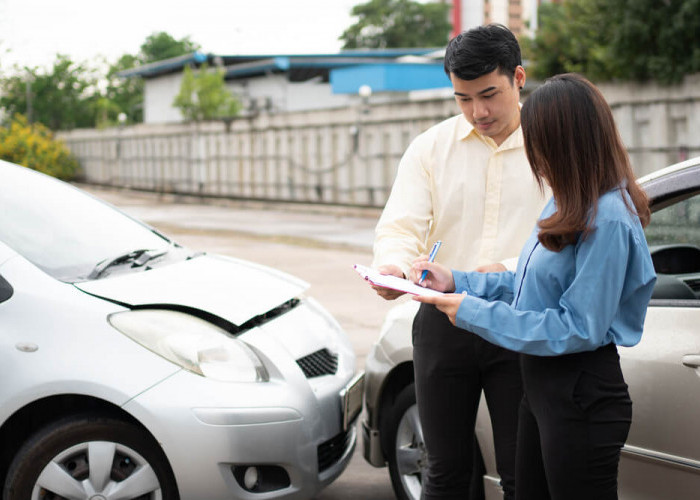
(318,246)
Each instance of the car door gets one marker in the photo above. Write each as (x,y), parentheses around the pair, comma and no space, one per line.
(661,459)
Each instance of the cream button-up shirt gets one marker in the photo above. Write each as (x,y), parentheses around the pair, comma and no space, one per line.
(455,185)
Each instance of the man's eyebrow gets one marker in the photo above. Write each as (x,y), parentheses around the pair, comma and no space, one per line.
(486,90)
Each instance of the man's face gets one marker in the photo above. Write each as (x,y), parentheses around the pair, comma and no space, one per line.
(490,102)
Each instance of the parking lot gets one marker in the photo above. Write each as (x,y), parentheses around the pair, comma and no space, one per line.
(317,245)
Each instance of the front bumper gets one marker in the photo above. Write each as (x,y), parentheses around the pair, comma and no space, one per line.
(298,442)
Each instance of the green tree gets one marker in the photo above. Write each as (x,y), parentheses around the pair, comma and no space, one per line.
(161,45)
(203,95)
(398,23)
(68,95)
(62,98)
(656,39)
(122,95)
(617,39)
(125,95)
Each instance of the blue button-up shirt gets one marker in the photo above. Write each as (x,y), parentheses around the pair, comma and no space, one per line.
(587,295)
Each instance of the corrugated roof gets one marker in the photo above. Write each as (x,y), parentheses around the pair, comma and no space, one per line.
(246,65)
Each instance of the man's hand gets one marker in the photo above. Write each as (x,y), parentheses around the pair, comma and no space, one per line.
(389,293)
(448,303)
(491,268)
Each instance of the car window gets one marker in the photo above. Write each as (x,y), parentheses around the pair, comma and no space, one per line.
(673,236)
(63,230)
(678,223)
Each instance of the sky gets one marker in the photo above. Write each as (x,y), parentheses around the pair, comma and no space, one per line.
(32,32)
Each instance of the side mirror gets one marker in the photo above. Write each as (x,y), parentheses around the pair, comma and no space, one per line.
(6,290)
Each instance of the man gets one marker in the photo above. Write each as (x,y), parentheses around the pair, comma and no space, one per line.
(465,181)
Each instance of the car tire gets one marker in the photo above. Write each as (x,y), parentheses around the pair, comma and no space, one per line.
(406,454)
(89,455)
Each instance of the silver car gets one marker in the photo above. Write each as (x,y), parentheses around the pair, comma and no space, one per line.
(661,459)
(135,368)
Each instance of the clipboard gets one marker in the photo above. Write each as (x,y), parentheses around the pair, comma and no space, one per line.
(394,282)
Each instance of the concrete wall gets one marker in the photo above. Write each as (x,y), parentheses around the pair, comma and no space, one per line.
(344,155)
(659,124)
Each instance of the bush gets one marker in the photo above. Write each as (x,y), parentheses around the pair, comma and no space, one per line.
(33,145)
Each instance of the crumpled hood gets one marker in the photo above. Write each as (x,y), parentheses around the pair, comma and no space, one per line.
(232,289)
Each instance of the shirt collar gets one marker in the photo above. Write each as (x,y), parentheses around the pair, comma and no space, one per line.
(513,141)
(464,128)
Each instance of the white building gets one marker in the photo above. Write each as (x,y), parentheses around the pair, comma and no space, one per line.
(287,83)
(520,16)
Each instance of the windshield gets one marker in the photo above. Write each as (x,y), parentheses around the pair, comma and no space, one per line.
(63,230)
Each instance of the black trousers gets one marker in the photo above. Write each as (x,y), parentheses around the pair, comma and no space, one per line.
(574,419)
(451,369)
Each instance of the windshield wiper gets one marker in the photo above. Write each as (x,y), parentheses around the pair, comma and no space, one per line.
(136,258)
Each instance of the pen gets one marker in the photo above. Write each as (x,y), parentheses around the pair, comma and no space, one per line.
(431,258)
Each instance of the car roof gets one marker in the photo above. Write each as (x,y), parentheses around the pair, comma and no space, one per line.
(674,180)
(676,167)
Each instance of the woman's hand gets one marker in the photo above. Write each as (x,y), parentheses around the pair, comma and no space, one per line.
(448,303)
(439,277)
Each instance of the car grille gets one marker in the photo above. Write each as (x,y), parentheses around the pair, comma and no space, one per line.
(322,362)
(332,450)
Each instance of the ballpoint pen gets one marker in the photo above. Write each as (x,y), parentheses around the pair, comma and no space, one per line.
(431,258)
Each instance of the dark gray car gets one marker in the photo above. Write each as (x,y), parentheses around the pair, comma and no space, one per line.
(661,459)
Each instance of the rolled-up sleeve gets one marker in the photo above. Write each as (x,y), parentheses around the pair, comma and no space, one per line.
(487,286)
(605,302)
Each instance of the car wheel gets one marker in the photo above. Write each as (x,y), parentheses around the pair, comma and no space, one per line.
(407,456)
(90,457)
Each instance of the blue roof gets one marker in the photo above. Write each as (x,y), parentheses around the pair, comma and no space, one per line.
(247,65)
(164,66)
(389,77)
(385,53)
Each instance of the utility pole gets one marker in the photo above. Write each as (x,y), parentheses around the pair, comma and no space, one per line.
(28,90)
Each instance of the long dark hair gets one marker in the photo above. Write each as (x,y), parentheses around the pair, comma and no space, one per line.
(572,143)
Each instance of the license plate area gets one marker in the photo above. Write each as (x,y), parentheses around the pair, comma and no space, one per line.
(351,397)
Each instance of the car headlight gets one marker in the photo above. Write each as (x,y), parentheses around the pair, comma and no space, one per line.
(192,343)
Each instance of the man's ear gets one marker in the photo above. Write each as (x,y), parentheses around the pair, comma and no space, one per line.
(519,77)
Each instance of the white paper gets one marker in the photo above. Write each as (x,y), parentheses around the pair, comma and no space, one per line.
(393,282)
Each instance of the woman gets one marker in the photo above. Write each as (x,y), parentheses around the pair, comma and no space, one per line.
(583,281)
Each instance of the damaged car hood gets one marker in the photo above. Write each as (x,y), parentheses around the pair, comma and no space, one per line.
(232,289)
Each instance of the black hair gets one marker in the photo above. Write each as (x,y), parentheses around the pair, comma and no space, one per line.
(481,50)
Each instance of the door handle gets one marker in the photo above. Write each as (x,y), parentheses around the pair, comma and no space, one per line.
(691,360)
